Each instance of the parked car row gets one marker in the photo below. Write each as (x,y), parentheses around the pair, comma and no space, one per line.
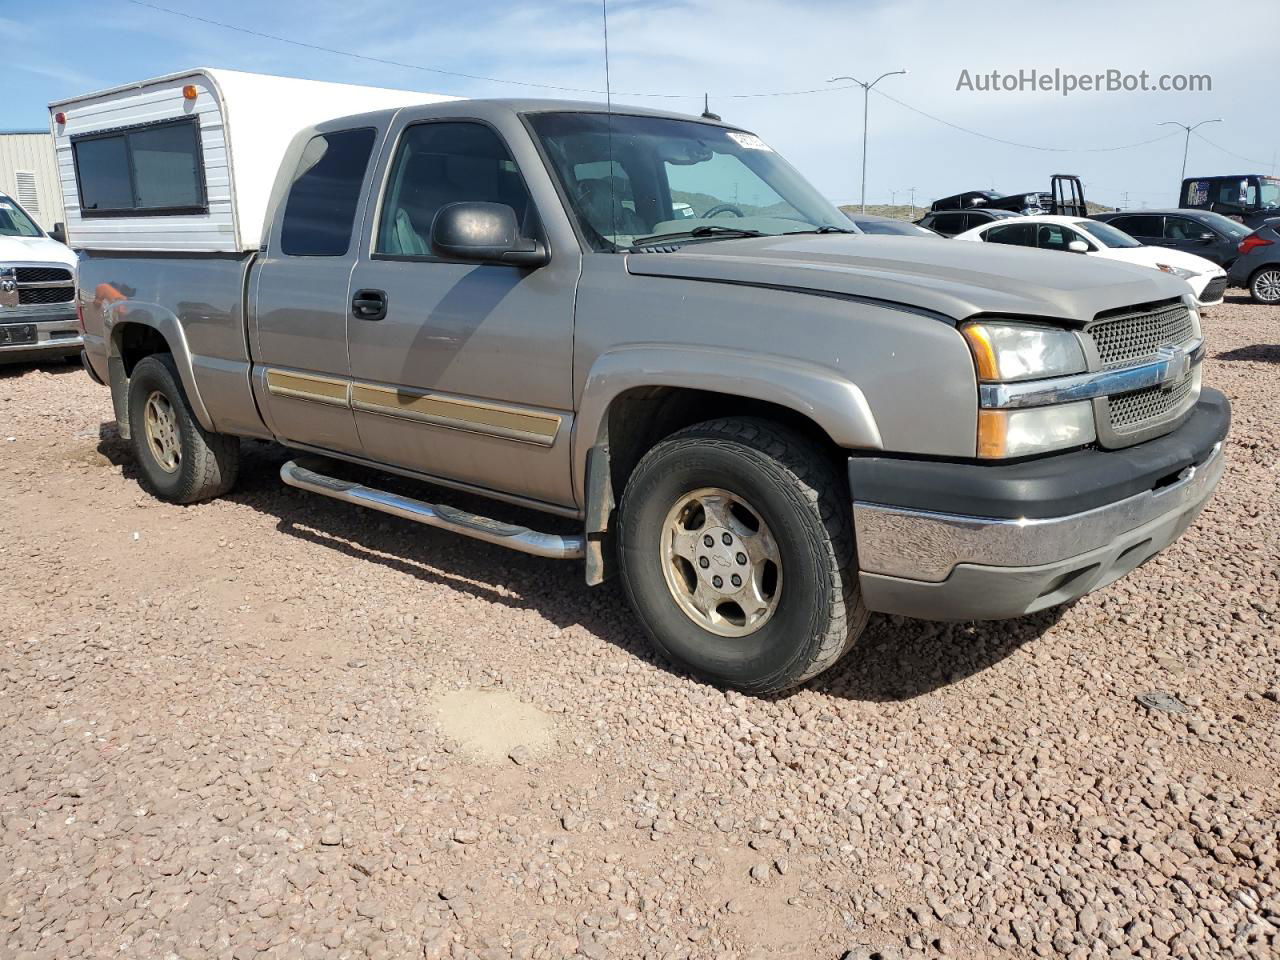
(1095,238)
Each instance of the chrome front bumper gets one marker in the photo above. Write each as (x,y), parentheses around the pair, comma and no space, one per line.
(54,336)
(950,567)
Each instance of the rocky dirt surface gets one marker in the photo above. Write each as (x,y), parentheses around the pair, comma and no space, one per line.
(272,725)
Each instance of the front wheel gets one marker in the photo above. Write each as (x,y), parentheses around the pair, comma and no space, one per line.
(1265,285)
(736,551)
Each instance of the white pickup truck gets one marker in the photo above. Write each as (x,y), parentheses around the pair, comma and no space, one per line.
(37,290)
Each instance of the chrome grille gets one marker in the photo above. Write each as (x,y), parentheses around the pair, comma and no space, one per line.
(1134,338)
(1133,411)
(42,274)
(37,295)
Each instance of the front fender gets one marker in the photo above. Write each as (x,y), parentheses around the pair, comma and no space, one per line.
(835,404)
(118,317)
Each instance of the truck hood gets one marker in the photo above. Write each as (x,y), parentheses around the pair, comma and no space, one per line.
(956,280)
(35,250)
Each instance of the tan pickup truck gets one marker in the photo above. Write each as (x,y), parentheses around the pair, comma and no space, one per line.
(768,424)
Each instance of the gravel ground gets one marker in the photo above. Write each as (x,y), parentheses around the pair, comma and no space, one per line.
(274,725)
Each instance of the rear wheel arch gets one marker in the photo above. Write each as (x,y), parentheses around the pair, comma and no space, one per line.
(132,339)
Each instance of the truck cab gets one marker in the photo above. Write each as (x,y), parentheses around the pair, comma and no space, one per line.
(1250,198)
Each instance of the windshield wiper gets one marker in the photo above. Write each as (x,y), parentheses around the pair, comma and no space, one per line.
(706,230)
(825,228)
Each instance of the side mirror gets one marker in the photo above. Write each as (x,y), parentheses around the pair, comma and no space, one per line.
(59,232)
(484,233)
(1078,246)
(1205,237)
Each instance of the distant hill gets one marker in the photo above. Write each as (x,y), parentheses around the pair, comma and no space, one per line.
(902,211)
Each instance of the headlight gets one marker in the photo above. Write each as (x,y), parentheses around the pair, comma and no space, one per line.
(1022,432)
(1177,271)
(1004,351)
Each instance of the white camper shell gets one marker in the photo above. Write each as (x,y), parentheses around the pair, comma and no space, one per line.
(186,162)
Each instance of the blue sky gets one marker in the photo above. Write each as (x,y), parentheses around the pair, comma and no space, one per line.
(65,47)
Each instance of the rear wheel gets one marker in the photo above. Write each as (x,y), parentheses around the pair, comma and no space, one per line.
(736,550)
(1265,285)
(180,461)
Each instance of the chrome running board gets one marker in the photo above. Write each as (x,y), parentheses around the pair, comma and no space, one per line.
(552,545)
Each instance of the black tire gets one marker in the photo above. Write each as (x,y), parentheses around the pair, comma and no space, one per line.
(207,462)
(797,490)
(1264,285)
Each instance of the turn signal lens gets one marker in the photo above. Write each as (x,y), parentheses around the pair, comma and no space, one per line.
(189,92)
(1005,351)
(1021,433)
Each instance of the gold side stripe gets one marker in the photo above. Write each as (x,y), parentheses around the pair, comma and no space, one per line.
(532,426)
(456,412)
(305,386)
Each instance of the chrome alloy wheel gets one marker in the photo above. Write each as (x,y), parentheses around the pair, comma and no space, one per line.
(1266,286)
(721,562)
(161,425)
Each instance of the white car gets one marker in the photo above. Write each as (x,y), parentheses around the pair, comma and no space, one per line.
(37,291)
(1094,238)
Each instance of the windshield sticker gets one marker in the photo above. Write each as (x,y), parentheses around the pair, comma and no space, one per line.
(748,141)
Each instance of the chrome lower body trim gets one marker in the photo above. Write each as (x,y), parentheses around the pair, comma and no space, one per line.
(924,546)
(53,336)
(552,545)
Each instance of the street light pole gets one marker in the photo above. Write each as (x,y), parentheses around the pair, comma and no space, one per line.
(1186,140)
(866,96)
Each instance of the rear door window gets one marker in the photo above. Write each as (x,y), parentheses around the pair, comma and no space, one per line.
(1017,234)
(321,209)
(1147,227)
(948,223)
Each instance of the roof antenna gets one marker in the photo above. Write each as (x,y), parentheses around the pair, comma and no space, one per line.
(608,100)
(706,109)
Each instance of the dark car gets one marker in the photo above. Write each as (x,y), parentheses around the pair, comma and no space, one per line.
(869,223)
(951,222)
(1206,234)
(1251,198)
(1258,264)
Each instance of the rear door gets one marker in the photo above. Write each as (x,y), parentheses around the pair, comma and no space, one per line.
(467,376)
(299,293)
(1192,236)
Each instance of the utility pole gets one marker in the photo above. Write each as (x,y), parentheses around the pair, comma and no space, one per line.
(866,95)
(912,191)
(1186,140)
(893,198)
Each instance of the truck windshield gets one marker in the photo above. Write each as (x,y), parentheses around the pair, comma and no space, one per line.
(14,221)
(1106,234)
(1268,193)
(632,179)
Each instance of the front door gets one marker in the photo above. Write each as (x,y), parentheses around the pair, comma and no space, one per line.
(300,295)
(464,370)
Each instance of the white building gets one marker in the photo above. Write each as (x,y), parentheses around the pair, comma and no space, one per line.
(29,174)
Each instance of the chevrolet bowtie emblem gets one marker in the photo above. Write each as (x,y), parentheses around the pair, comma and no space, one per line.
(1177,364)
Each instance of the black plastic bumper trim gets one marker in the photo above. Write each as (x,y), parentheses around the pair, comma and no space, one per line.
(1053,486)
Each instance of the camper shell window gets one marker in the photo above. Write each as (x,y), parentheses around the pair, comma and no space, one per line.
(152,169)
